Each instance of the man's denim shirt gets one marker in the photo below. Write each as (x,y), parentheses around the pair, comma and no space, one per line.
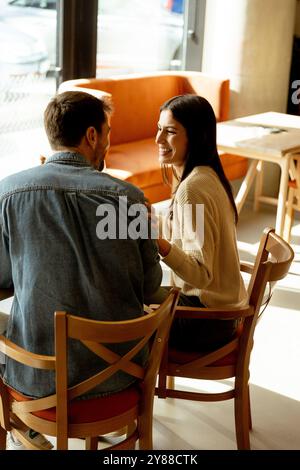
(52,256)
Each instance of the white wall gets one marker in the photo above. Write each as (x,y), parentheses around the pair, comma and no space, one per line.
(250,42)
(297,20)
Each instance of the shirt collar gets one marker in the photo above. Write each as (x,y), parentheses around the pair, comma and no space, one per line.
(68,158)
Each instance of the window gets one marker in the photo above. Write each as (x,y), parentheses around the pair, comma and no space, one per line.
(137,36)
(49,4)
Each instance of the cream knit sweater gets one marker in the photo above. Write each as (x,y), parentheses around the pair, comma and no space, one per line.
(204,259)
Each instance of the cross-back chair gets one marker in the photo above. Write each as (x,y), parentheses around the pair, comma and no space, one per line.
(61,415)
(293,202)
(232,360)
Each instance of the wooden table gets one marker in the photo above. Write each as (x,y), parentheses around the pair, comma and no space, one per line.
(267,137)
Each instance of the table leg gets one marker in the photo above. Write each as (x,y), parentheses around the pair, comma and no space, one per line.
(289,216)
(282,194)
(246,185)
(258,185)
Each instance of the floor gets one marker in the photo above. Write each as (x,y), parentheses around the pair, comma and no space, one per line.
(275,381)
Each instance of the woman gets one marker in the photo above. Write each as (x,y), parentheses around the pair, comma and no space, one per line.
(198,240)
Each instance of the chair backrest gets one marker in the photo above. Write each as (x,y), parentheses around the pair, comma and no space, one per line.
(97,336)
(272,263)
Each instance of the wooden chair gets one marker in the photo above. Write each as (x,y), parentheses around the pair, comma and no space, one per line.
(232,360)
(293,202)
(63,416)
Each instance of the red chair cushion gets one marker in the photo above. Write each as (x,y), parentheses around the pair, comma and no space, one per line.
(93,409)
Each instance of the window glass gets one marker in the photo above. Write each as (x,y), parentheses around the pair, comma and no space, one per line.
(27,82)
(49,4)
(138,35)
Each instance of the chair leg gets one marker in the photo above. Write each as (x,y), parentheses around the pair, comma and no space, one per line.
(241,412)
(62,442)
(91,443)
(145,422)
(145,433)
(249,410)
(170,382)
(3,434)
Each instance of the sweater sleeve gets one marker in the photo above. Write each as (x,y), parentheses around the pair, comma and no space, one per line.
(195,233)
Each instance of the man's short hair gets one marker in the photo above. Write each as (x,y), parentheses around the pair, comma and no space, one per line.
(70,114)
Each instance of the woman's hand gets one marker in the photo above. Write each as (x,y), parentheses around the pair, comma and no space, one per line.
(154,223)
(164,246)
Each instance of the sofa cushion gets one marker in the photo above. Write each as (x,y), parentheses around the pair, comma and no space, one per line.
(137,162)
(137,98)
(235,167)
(136,102)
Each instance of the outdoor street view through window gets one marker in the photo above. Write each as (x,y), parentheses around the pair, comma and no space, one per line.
(133,36)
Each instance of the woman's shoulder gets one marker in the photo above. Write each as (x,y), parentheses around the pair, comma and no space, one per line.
(201,178)
(203,172)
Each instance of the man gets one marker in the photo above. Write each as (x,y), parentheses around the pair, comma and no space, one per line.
(55,250)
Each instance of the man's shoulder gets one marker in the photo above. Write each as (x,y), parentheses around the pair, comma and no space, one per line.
(17,181)
(68,178)
(126,188)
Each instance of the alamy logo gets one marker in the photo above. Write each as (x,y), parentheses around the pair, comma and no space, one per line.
(135,221)
(122,222)
(296,94)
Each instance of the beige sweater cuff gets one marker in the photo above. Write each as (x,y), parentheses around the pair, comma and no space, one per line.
(174,257)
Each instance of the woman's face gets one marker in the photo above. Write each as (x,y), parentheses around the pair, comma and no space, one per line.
(172,140)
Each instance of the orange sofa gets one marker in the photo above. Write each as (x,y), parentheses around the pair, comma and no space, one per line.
(136,99)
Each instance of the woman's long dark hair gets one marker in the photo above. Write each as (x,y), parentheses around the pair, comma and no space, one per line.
(196,115)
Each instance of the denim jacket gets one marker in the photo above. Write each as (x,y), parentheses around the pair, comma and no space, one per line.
(53,254)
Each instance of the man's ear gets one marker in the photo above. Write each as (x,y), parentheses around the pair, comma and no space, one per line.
(91,136)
